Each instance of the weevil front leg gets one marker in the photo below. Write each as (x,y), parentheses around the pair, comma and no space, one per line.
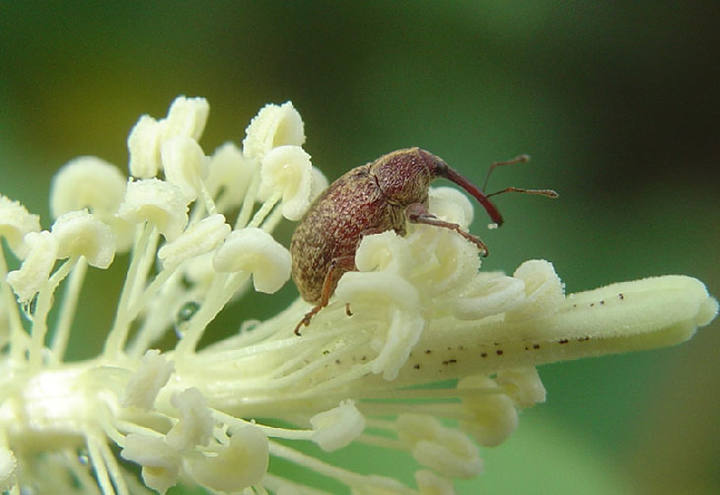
(418,213)
(336,268)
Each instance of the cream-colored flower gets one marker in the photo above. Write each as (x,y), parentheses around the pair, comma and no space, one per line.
(15,223)
(87,182)
(220,415)
(273,126)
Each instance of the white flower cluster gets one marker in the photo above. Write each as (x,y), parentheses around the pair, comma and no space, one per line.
(199,232)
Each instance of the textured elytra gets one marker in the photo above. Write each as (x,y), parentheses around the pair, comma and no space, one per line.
(334,225)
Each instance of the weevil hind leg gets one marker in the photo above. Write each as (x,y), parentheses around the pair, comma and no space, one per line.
(336,268)
(418,213)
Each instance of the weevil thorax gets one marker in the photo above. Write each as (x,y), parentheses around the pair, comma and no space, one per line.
(404,176)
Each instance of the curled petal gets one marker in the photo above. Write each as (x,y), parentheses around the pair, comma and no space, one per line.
(489,294)
(402,336)
(15,222)
(160,462)
(231,172)
(444,449)
(544,292)
(80,233)
(87,182)
(196,423)
(198,239)
(430,483)
(144,147)
(451,262)
(287,170)
(492,416)
(152,375)
(241,463)
(186,117)
(274,125)
(158,202)
(523,385)
(185,164)
(337,427)
(386,251)
(378,289)
(35,270)
(450,205)
(254,250)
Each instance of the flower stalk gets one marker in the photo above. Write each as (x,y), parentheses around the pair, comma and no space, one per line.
(199,232)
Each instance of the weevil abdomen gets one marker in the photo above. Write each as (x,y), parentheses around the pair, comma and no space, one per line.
(352,206)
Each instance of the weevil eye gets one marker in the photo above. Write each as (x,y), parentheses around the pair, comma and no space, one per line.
(436,166)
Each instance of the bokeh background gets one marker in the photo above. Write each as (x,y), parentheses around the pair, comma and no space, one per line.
(618,105)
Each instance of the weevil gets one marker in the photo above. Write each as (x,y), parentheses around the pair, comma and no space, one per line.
(375,197)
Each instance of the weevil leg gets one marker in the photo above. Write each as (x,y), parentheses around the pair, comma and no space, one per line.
(336,268)
(417,213)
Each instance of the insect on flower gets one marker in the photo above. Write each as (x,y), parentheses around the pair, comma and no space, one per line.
(370,199)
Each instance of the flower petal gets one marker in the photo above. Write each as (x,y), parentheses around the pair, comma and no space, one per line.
(184,163)
(15,222)
(35,269)
(254,250)
(274,125)
(238,465)
(152,375)
(80,233)
(158,202)
(231,172)
(287,170)
(337,427)
(87,182)
(198,239)
(186,117)
(144,148)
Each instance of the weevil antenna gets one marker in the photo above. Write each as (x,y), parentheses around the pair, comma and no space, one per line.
(518,159)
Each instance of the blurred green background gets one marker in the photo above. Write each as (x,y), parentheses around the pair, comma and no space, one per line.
(619,107)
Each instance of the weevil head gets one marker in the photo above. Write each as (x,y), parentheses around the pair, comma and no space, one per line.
(404,176)
(438,168)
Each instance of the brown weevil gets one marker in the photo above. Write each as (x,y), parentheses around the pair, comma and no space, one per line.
(370,199)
